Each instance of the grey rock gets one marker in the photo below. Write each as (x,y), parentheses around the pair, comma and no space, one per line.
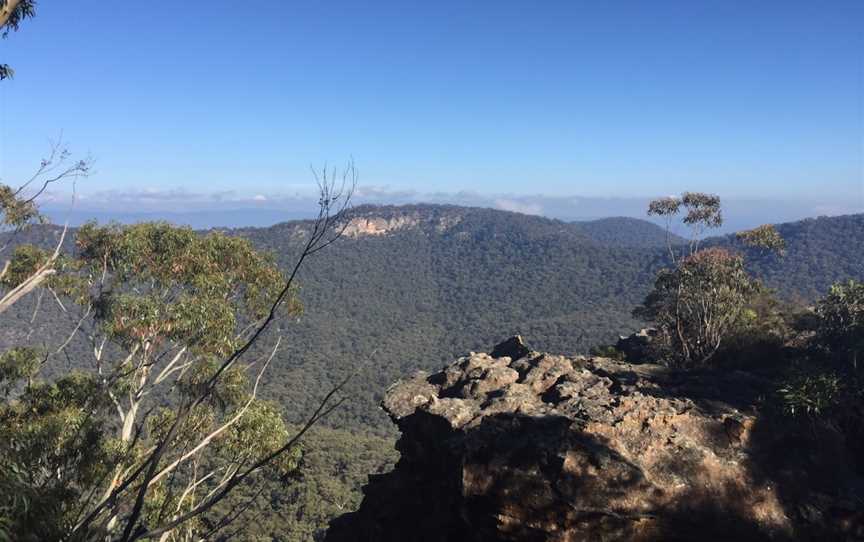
(541,447)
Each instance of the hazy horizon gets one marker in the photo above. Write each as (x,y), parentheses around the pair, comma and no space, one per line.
(490,339)
(228,211)
(534,105)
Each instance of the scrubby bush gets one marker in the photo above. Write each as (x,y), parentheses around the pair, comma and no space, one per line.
(811,394)
(706,296)
(765,237)
(829,384)
(696,304)
(833,380)
(770,335)
(841,322)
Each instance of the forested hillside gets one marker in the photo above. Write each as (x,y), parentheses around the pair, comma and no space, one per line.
(624,231)
(438,281)
(420,295)
(414,287)
(820,252)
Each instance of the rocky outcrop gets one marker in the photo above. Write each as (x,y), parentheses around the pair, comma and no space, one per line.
(358,227)
(638,347)
(366,221)
(523,445)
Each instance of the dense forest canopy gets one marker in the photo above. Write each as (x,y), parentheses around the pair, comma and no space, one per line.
(422,294)
(441,281)
(163,383)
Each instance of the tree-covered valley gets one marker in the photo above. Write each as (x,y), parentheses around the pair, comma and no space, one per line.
(410,288)
(505,330)
(417,297)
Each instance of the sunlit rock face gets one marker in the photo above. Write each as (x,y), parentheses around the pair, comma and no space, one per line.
(358,227)
(521,445)
(366,222)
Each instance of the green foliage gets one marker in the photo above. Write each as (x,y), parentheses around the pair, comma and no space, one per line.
(164,306)
(702,212)
(334,465)
(763,338)
(25,260)
(54,451)
(811,394)
(764,237)
(17,364)
(420,297)
(620,232)
(177,286)
(10,21)
(261,431)
(829,384)
(841,320)
(210,266)
(708,296)
(231,390)
(15,210)
(819,252)
(696,304)
(664,206)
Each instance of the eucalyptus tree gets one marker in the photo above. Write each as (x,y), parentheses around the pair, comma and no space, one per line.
(164,420)
(29,267)
(695,304)
(702,212)
(702,297)
(764,238)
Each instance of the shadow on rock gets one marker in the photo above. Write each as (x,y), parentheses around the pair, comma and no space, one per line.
(520,445)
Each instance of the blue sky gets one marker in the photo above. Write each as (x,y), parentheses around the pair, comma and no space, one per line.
(754,100)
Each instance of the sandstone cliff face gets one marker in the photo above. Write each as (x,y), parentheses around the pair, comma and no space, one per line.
(358,227)
(519,445)
(371,225)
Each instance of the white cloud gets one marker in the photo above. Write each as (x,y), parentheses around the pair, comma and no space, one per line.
(526,208)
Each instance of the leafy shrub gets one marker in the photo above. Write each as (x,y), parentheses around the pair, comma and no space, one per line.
(841,321)
(811,394)
(768,336)
(704,297)
(696,304)
(765,237)
(832,386)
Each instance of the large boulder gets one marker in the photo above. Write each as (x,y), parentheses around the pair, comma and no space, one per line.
(533,446)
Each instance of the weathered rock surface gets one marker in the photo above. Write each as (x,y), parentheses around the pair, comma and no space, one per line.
(371,221)
(530,446)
